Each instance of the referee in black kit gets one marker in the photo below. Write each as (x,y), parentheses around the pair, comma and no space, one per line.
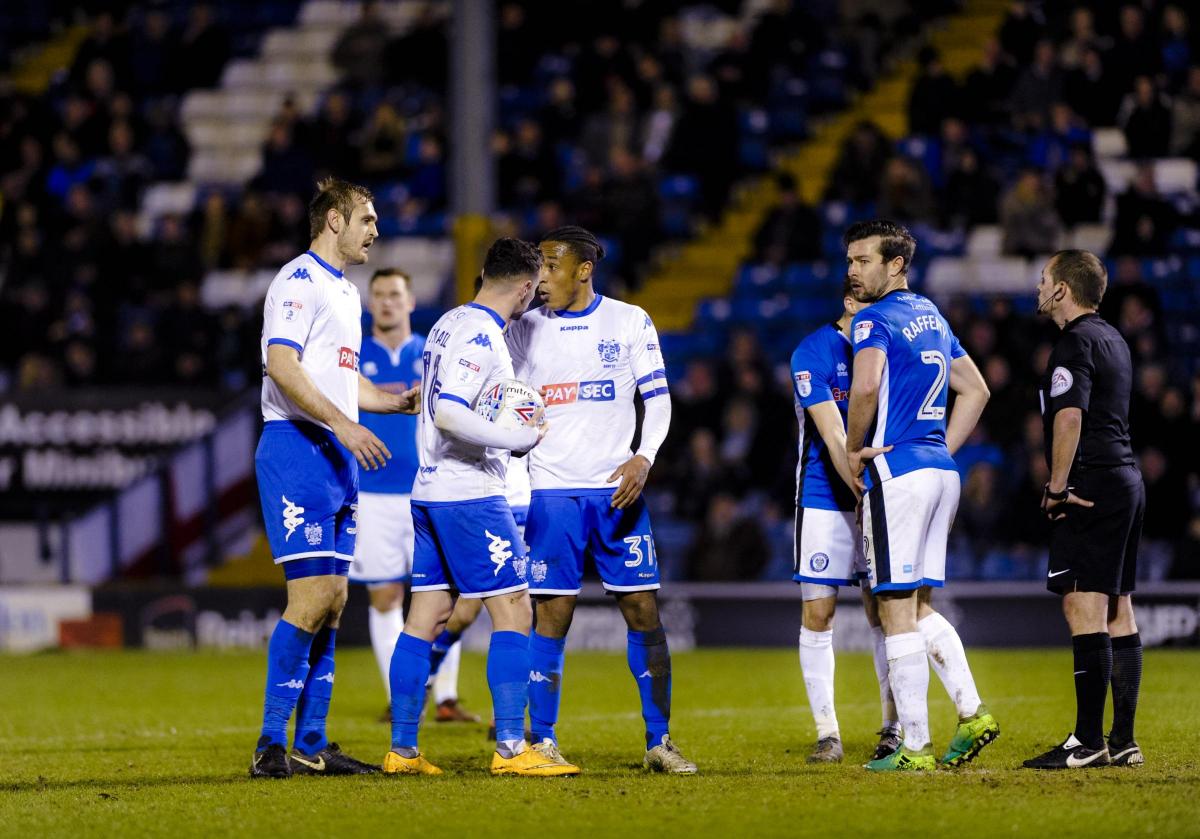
(1096,500)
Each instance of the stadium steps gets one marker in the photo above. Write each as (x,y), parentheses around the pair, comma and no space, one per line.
(706,266)
(35,71)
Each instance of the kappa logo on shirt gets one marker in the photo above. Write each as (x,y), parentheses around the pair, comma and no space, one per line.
(347,358)
(568,392)
(300,274)
(482,340)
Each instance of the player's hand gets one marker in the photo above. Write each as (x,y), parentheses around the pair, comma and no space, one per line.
(1056,509)
(368,450)
(858,463)
(633,474)
(538,421)
(408,402)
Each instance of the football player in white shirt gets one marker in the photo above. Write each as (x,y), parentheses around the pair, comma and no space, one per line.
(466,538)
(307,467)
(589,355)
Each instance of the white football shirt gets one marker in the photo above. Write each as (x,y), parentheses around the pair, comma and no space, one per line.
(590,363)
(464,353)
(312,307)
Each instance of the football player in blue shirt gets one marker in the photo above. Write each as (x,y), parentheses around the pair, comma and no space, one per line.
(906,360)
(828,547)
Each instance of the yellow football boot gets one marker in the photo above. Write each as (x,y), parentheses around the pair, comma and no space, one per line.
(395,764)
(538,761)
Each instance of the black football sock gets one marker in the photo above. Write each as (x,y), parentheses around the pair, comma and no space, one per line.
(1126,682)
(1093,669)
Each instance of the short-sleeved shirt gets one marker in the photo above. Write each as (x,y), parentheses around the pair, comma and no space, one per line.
(464,353)
(394,371)
(1090,369)
(821,367)
(314,309)
(590,363)
(915,386)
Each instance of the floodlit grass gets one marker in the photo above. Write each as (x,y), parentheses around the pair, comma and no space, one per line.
(134,744)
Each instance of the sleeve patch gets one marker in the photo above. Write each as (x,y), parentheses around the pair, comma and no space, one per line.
(804,384)
(862,331)
(1061,381)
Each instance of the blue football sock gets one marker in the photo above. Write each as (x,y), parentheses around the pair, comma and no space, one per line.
(287,669)
(441,646)
(508,679)
(650,664)
(313,707)
(545,684)
(409,672)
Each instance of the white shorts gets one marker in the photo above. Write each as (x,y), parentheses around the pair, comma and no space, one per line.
(828,550)
(906,521)
(384,551)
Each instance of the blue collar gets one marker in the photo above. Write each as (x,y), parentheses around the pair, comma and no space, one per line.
(325,265)
(563,313)
(499,320)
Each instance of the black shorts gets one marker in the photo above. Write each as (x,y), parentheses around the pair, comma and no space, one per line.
(1095,548)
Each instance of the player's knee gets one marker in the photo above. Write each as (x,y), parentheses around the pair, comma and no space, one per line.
(554,615)
(387,597)
(640,610)
(818,614)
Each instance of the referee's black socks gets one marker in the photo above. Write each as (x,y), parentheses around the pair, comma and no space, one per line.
(1126,682)
(1093,670)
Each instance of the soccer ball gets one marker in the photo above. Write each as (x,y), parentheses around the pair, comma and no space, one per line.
(509,404)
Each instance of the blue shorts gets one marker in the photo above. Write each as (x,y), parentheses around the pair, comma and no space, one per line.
(308,486)
(566,525)
(472,547)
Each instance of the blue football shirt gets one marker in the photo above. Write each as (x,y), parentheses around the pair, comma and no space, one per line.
(821,367)
(395,371)
(915,385)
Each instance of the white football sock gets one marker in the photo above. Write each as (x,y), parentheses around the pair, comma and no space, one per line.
(908,673)
(949,661)
(385,629)
(816,664)
(445,683)
(887,704)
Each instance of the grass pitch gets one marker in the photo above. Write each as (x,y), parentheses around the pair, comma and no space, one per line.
(136,744)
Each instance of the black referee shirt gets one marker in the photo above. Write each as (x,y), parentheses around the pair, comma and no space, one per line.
(1090,369)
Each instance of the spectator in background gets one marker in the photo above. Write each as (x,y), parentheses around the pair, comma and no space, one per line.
(1145,116)
(859,169)
(705,116)
(1185,117)
(905,193)
(658,125)
(165,147)
(153,50)
(381,156)
(69,168)
(1178,46)
(526,169)
(329,137)
(970,195)
(730,545)
(1145,221)
(988,86)
(1134,52)
(1021,29)
(934,94)
(203,50)
(1128,283)
(1079,188)
(124,171)
(1037,89)
(1090,91)
(617,125)
(1029,224)
(359,50)
(560,118)
(630,208)
(1049,149)
(1083,38)
(791,232)
(287,167)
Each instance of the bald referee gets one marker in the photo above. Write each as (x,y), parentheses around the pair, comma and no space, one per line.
(1095,499)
